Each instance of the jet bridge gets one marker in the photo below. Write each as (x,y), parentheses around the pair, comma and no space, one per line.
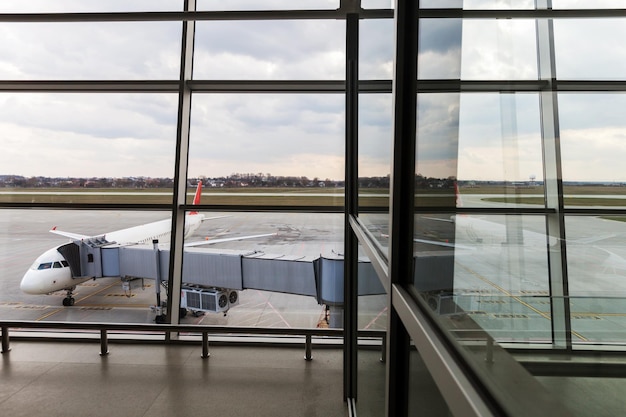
(203,268)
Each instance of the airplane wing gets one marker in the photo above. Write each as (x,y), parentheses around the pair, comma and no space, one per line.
(437,243)
(213,218)
(444,244)
(592,239)
(438,219)
(70,235)
(226,239)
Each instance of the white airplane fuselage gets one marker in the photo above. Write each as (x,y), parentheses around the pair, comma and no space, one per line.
(51,272)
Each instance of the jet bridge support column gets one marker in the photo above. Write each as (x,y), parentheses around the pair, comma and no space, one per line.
(157,286)
(335,319)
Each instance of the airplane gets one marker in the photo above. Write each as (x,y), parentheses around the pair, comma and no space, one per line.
(51,271)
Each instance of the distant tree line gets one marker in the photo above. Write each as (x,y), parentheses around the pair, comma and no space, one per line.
(235,180)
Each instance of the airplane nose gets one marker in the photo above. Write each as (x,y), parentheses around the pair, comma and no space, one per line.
(29,284)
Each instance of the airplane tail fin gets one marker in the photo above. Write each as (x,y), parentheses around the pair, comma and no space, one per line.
(196,198)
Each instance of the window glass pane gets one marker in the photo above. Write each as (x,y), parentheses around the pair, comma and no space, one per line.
(372,324)
(488,144)
(439,49)
(447,4)
(478,4)
(94,50)
(374,149)
(492,269)
(56,141)
(498,4)
(583,57)
(270,50)
(377,4)
(31,293)
(499,49)
(267,4)
(596,263)
(46,6)
(437,150)
(500,157)
(424,396)
(269,259)
(376,49)
(272,143)
(593,149)
(583,4)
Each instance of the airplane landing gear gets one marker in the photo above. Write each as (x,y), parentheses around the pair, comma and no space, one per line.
(69,300)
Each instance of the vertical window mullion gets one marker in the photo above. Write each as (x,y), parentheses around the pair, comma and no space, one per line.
(553,180)
(180,174)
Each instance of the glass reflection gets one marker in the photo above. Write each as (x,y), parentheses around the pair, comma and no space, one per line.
(372,323)
(479,150)
(377,224)
(374,150)
(437,149)
(257,50)
(424,396)
(499,150)
(489,270)
(506,51)
(439,49)
(596,261)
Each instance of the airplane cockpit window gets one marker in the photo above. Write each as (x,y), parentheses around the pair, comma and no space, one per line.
(57,265)
(65,264)
(45,265)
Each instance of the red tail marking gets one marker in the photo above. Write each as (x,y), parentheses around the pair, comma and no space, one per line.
(196,198)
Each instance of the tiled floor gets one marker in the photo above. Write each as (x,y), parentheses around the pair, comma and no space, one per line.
(72,379)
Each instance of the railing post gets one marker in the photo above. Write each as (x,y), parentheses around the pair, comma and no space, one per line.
(205,345)
(307,346)
(383,352)
(104,343)
(5,339)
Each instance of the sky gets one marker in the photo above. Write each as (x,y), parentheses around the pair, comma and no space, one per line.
(469,136)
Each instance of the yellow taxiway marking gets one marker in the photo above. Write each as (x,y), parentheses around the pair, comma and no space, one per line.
(45,316)
(516,298)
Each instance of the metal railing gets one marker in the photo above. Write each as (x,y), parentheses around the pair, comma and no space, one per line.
(204,331)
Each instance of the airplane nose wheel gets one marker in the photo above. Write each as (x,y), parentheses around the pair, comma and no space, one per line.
(69,300)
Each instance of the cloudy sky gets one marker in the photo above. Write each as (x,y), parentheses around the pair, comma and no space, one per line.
(470,136)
